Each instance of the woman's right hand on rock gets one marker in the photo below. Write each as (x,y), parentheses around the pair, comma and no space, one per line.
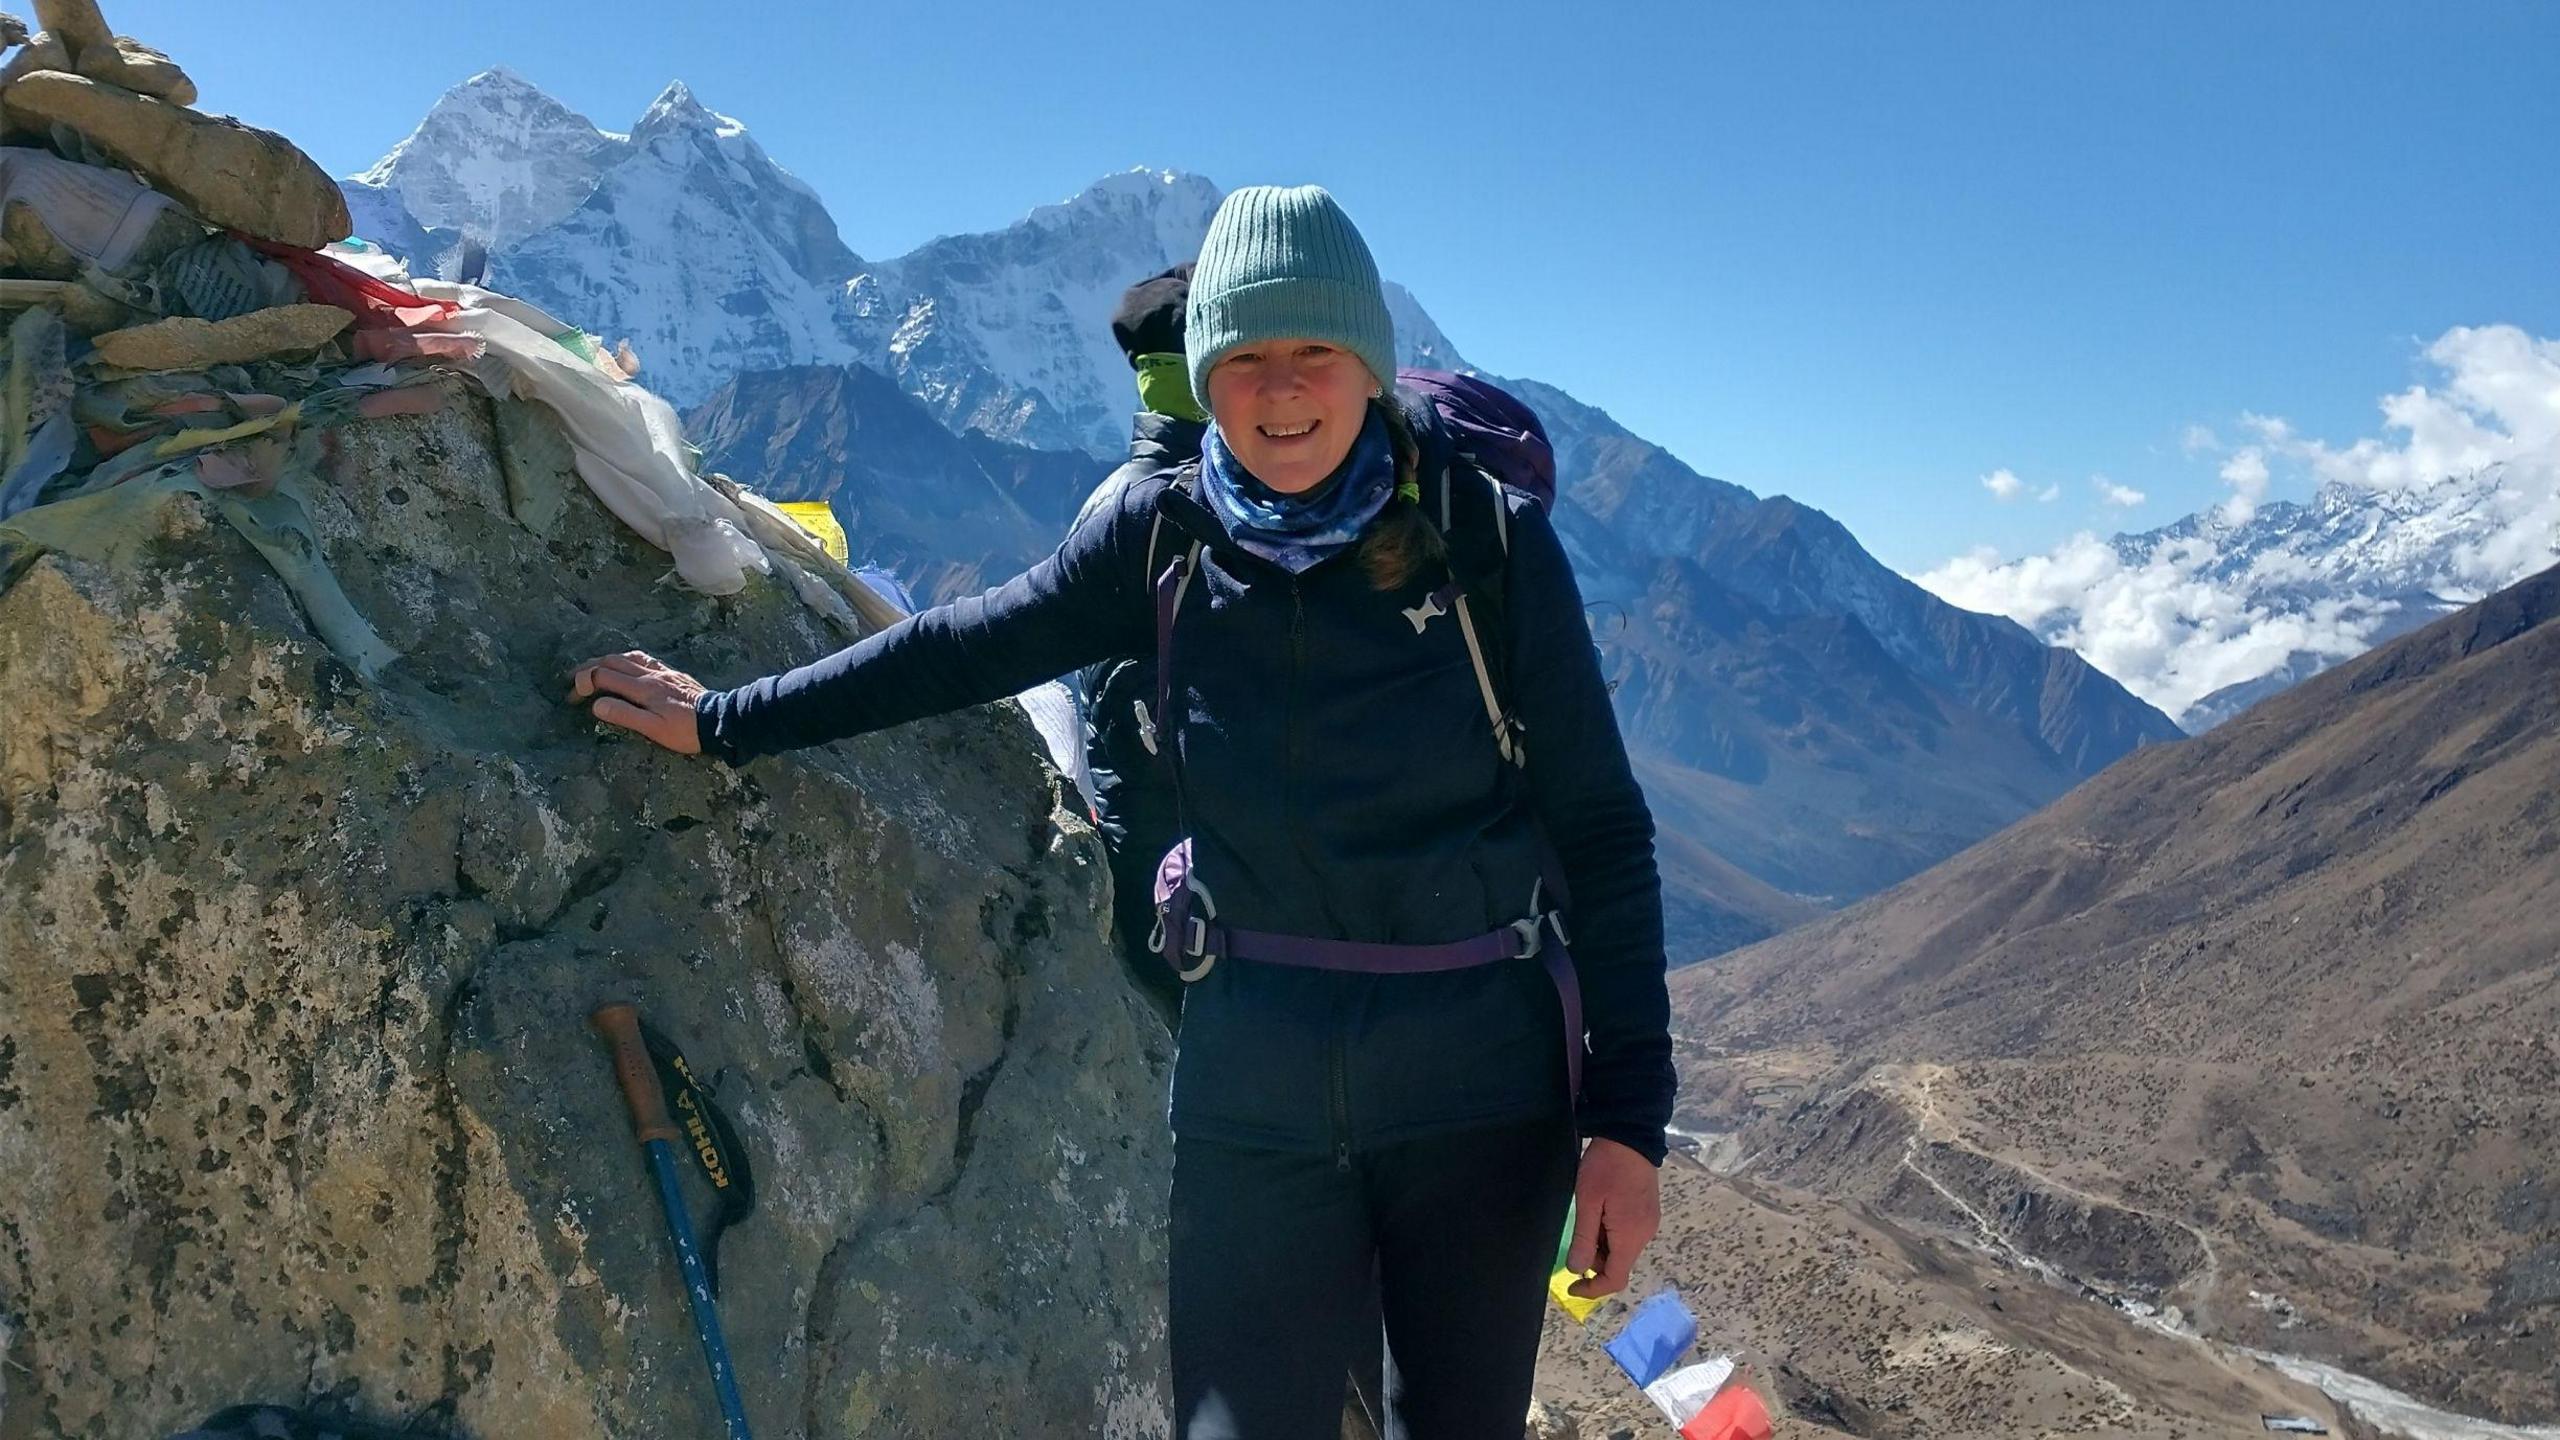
(638,692)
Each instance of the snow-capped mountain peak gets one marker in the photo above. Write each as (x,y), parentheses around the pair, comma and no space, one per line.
(495,158)
(1138,182)
(501,80)
(2457,498)
(2209,614)
(692,243)
(683,235)
(675,109)
(675,99)
(1180,203)
(1009,331)
(677,118)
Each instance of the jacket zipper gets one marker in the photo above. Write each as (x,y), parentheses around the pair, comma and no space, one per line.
(1290,736)
(1341,1100)
(1337,1067)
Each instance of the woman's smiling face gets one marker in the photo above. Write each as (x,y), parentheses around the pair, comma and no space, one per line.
(1290,409)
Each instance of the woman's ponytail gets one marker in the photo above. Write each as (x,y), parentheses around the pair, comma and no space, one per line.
(1401,541)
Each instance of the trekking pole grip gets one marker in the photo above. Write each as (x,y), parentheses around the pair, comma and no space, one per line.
(619,1024)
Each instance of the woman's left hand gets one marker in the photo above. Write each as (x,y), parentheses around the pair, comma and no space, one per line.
(1617,1208)
(640,692)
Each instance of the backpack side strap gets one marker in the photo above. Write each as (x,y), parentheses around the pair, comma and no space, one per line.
(1170,588)
(1481,613)
(1506,728)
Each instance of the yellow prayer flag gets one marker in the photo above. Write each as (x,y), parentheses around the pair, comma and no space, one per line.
(1560,1287)
(186,440)
(819,519)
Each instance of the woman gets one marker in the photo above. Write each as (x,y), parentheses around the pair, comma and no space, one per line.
(1347,1108)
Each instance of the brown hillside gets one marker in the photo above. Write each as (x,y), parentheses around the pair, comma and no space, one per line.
(2258,1025)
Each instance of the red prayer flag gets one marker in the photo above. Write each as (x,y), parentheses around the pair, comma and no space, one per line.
(377,304)
(1735,1414)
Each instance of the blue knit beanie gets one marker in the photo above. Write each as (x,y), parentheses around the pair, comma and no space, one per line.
(1284,262)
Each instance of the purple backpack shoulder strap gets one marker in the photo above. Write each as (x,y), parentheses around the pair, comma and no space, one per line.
(1168,587)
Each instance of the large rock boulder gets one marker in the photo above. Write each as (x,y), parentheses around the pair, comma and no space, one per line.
(87,45)
(230,174)
(77,24)
(297,1098)
(129,64)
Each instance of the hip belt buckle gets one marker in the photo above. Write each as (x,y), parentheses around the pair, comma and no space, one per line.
(1532,931)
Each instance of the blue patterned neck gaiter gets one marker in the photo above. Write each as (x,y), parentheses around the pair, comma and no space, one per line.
(1296,532)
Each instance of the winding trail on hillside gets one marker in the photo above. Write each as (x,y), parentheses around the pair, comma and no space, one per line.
(1930,1125)
(2402,1415)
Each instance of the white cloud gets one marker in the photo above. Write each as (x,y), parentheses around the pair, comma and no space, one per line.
(2273,429)
(2247,475)
(2525,539)
(2499,406)
(2049,494)
(2004,486)
(2162,623)
(2464,480)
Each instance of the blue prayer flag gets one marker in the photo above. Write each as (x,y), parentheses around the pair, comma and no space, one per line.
(1655,1337)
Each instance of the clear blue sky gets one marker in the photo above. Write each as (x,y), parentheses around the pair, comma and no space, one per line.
(1858,253)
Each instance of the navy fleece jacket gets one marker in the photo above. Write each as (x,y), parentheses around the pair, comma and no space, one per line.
(1339,779)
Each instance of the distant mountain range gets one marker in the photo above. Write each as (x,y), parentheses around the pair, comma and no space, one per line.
(2218,611)
(1810,725)
(2257,1030)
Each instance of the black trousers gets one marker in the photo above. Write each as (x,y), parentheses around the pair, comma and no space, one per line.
(1284,1262)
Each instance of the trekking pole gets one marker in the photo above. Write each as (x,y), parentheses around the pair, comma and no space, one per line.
(619,1024)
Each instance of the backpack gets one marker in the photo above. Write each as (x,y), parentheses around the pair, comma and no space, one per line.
(1492,430)
(1493,438)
